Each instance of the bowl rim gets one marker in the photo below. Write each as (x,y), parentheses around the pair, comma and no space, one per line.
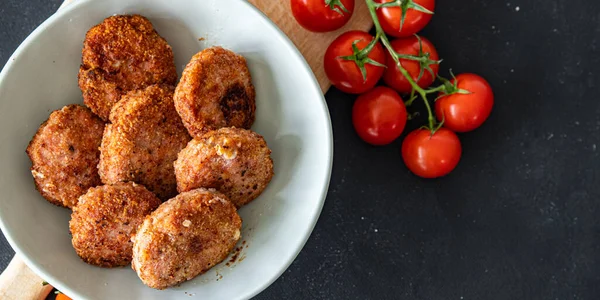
(328,151)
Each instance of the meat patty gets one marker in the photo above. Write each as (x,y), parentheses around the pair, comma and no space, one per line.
(121,54)
(235,161)
(64,154)
(106,218)
(215,91)
(143,140)
(184,237)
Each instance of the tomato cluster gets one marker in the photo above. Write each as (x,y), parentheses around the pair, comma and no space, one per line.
(356,61)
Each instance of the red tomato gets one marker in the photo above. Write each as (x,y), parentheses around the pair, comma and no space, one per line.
(379,116)
(430,156)
(318,15)
(465,112)
(345,74)
(414,21)
(410,46)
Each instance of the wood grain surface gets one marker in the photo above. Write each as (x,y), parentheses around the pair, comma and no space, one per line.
(18,282)
(312,45)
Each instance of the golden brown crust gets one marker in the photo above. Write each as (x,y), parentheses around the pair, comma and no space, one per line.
(184,237)
(64,154)
(235,161)
(215,91)
(143,140)
(121,54)
(106,218)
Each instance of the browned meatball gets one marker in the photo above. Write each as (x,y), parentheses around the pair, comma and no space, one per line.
(105,219)
(185,237)
(64,154)
(235,161)
(215,91)
(143,140)
(121,54)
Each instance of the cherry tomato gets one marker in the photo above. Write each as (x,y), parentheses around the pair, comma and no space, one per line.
(410,46)
(379,116)
(431,156)
(318,15)
(345,74)
(414,21)
(465,112)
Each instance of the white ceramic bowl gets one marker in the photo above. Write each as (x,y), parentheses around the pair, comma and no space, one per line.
(41,76)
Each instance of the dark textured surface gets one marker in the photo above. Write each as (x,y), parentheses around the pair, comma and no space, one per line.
(518,218)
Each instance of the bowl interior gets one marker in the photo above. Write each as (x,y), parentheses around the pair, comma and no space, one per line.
(291,114)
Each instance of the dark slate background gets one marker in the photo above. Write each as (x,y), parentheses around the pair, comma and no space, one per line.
(519,217)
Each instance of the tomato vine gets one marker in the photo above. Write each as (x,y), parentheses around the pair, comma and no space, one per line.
(356,61)
(422,58)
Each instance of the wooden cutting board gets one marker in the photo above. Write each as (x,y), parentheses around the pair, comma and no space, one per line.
(312,45)
(17,282)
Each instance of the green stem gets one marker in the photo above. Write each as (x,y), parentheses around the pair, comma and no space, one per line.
(381,35)
(436,90)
